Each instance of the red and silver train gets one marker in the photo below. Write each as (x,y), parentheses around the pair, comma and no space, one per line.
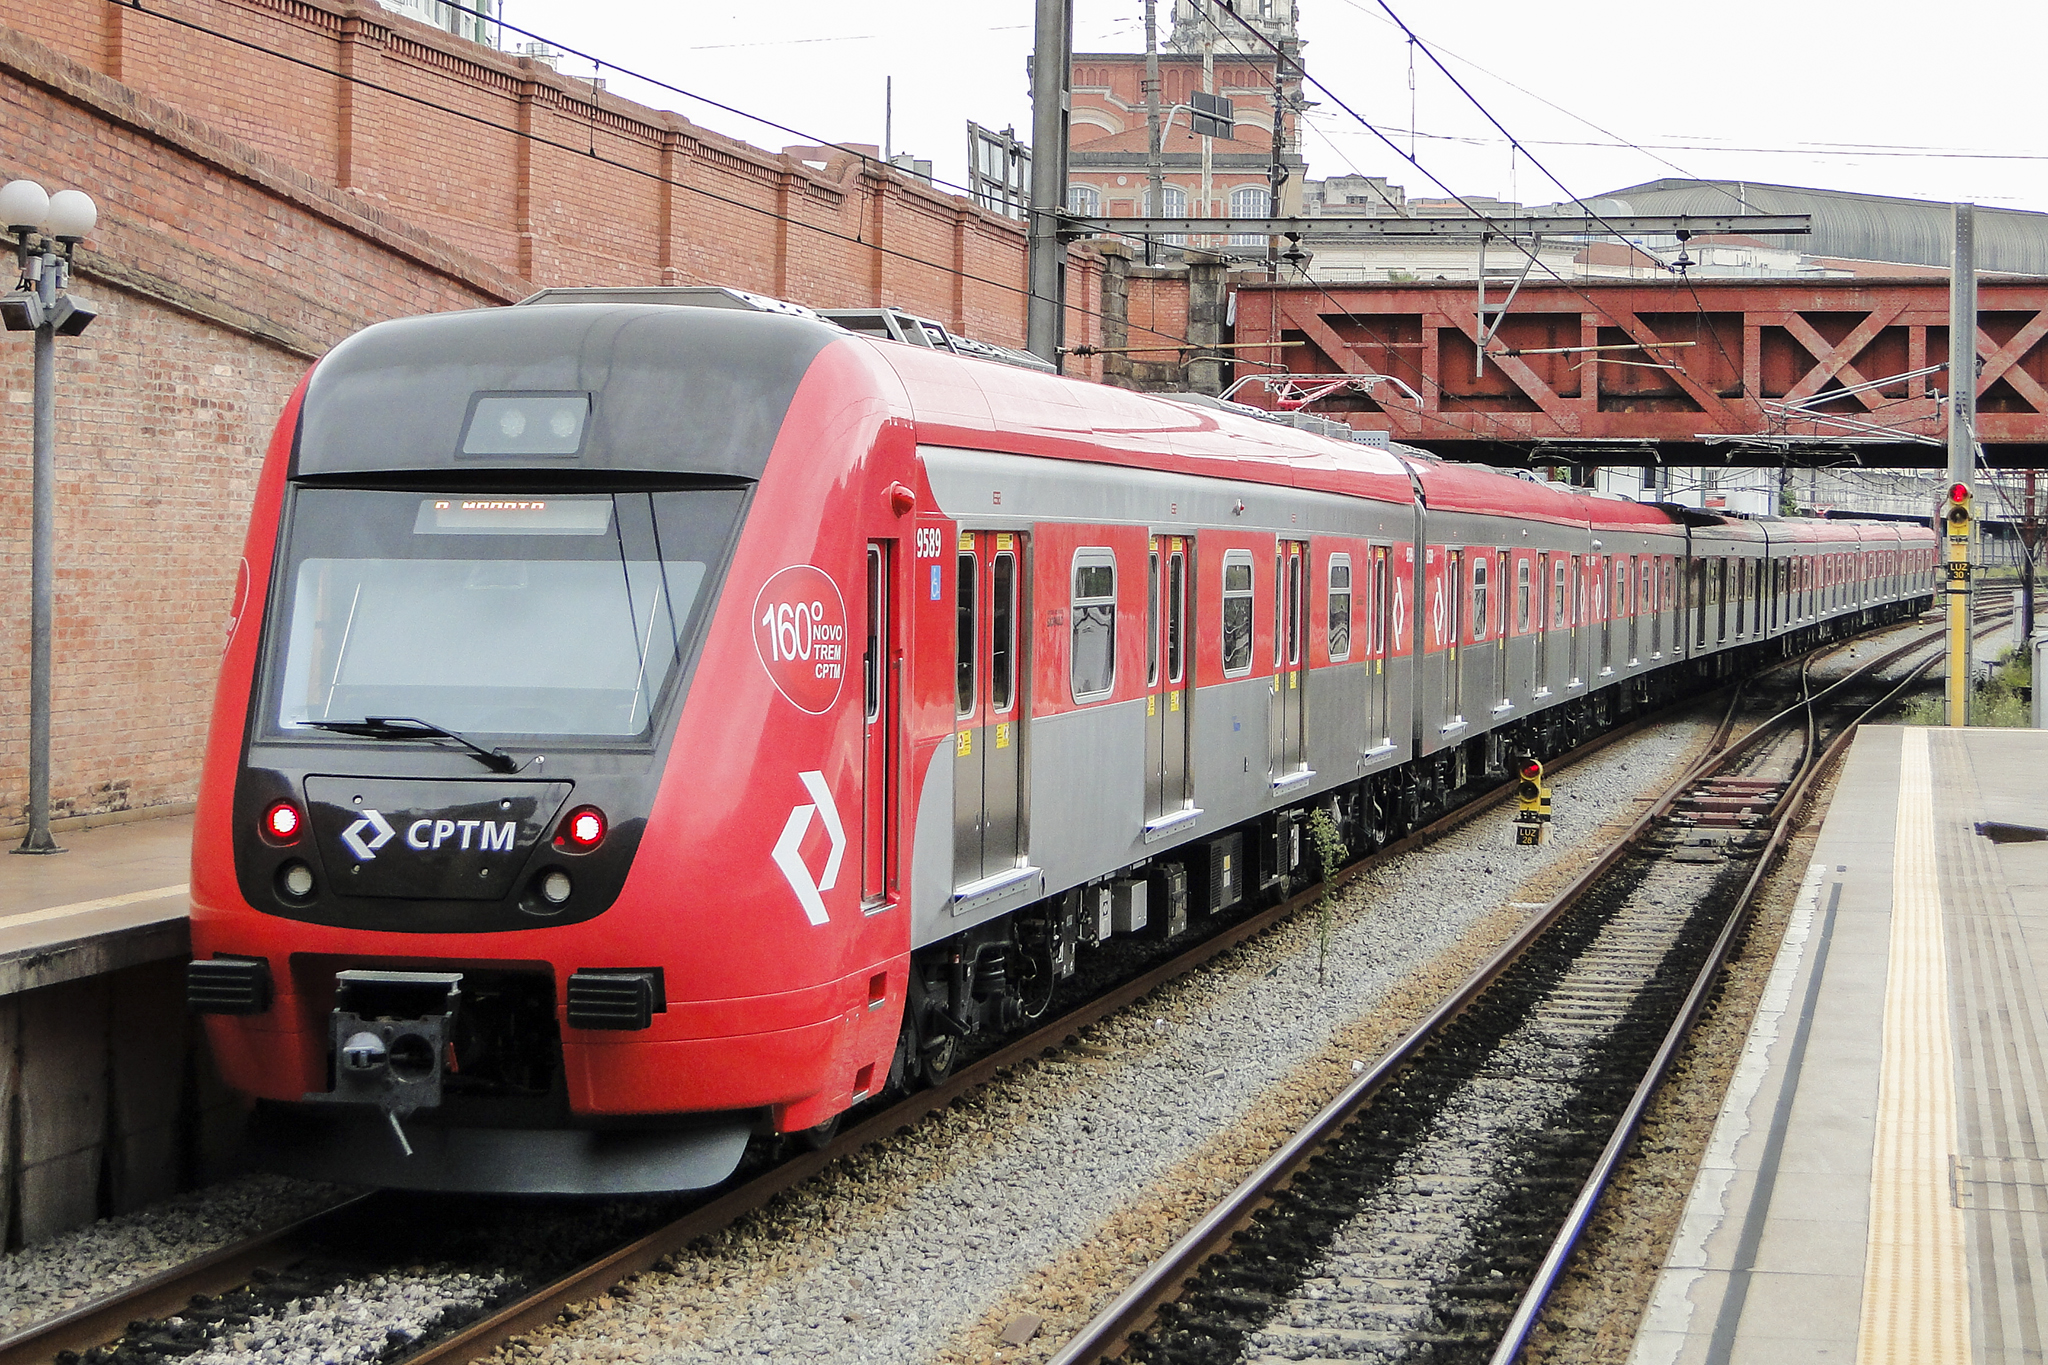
(648,727)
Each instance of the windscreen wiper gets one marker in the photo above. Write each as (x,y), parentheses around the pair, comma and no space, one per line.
(408,727)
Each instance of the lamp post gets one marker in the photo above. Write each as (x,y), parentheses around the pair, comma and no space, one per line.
(46,228)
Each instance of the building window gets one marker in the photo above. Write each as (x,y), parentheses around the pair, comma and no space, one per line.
(1084,201)
(1093,670)
(1249,201)
(1173,204)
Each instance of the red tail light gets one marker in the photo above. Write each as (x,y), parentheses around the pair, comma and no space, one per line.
(282,823)
(583,830)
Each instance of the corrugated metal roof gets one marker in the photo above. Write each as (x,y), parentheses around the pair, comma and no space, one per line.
(1868,227)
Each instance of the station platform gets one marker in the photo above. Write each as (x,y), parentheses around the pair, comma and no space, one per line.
(1876,1186)
(114,898)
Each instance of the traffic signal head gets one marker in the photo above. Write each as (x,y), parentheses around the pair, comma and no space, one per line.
(1531,786)
(1958,513)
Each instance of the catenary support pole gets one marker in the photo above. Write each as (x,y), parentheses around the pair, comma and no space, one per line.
(1051,63)
(1155,172)
(1962,453)
(42,575)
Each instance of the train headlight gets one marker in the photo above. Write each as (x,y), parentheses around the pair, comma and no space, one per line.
(282,823)
(555,886)
(295,879)
(583,830)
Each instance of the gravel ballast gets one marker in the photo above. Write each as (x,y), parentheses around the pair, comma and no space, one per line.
(70,1270)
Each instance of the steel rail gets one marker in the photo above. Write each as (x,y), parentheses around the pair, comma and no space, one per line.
(166,1293)
(1790,806)
(1105,1336)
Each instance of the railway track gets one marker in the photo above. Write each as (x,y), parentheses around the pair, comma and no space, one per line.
(1428,1210)
(136,1318)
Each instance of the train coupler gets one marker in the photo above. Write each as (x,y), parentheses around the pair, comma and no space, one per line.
(390,1034)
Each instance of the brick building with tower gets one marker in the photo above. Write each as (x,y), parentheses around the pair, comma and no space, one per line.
(1203,177)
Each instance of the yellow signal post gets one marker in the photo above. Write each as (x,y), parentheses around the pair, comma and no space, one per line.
(1957,521)
(1532,822)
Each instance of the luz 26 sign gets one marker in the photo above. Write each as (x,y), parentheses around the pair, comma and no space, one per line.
(800,633)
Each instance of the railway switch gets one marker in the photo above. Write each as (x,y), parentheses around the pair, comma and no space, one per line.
(1532,822)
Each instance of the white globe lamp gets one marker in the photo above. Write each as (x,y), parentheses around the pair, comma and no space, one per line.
(70,216)
(23,204)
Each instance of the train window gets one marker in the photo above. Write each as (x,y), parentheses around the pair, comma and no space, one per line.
(1454,576)
(1620,585)
(1294,614)
(1557,601)
(1176,614)
(1279,592)
(1237,613)
(1382,602)
(1002,631)
(1093,663)
(1479,597)
(1522,595)
(966,601)
(1152,617)
(1646,592)
(871,659)
(516,615)
(1340,608)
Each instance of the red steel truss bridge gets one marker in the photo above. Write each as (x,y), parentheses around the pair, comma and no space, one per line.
(1674,371)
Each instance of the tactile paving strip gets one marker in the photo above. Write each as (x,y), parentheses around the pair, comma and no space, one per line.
(1916,1293)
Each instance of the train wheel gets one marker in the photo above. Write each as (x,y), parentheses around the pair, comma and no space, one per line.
(937,1058)
(819,1138)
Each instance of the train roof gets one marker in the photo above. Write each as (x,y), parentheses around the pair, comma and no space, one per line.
(703,391)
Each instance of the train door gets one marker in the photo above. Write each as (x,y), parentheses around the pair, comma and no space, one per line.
(1617,606)
(1168,700)
(1543,624)
(1381,606)
(879,744)
(1575,608)
(1646,605)
(1501,695)
(988,747)
(1454,612)
(1286,737)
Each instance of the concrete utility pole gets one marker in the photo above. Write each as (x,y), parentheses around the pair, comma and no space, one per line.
(2030,547)
(1962,453)
(1052,64)
(1276,173)
(46,227)
(1155,169)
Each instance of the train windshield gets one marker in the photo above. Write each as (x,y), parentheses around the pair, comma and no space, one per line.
(502,614)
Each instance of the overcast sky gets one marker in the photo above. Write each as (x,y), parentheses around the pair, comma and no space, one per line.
(1928,102)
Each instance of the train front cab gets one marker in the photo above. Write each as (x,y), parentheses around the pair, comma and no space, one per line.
(626,903)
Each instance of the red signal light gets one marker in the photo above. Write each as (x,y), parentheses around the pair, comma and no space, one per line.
(1531,769)
(584,829)
(282,822)
(1959,492)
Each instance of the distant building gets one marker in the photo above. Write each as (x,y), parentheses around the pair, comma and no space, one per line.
(1202,177)
(1851,232)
